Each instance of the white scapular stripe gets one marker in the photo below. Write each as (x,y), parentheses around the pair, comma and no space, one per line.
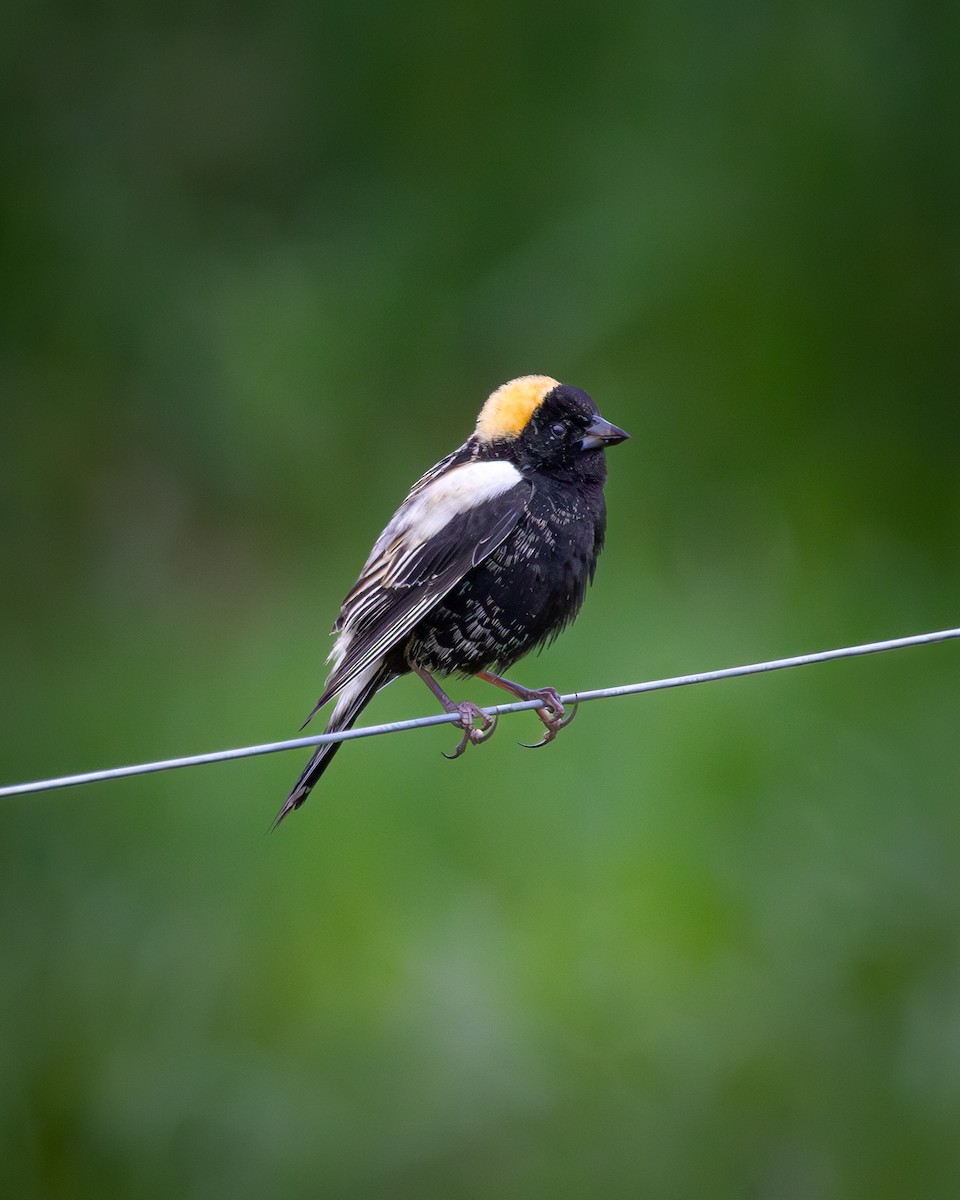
(421,517)
(425,514)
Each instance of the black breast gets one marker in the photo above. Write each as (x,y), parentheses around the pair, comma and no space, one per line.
(529,588)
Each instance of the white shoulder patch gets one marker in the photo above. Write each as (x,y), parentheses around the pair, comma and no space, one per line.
(421,517)
(452,493)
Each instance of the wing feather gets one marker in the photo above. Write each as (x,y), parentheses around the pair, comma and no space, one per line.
(445,527)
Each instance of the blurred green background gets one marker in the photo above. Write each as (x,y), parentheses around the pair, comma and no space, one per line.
(260,266)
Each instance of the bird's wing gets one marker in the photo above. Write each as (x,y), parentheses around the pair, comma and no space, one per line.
(441,531)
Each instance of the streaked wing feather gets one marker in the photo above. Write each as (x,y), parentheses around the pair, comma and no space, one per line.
(398,588)
(498,531)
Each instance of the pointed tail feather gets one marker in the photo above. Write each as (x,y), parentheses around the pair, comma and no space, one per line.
(353,700)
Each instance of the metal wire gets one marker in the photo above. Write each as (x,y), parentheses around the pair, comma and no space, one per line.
(630,689)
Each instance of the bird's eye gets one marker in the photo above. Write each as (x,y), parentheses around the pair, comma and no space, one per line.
(558,430)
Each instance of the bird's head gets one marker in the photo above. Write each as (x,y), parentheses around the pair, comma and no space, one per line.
(541,424)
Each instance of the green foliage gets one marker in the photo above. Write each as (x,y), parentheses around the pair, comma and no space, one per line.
(260,268)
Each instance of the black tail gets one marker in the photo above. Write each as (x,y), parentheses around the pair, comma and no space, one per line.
(351,704)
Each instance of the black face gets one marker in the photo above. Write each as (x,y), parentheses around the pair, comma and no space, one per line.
(566,433)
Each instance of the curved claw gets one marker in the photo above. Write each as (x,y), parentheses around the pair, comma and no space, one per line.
(485,732)
(565,721)
(559,719)
(552,724)
(461,746)
(544,741)
(468,714)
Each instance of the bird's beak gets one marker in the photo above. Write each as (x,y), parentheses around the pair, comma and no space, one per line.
(601,433)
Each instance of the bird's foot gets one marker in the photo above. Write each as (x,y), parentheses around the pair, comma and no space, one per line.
(553,714)
(469,713)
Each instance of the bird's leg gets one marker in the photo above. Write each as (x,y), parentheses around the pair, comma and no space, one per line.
(469,712)
(553,714)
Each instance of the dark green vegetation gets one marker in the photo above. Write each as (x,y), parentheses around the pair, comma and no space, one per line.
(260,266)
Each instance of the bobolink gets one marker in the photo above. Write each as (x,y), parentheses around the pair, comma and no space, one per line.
(488,557)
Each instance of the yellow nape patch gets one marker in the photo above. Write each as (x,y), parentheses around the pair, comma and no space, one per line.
(511,406)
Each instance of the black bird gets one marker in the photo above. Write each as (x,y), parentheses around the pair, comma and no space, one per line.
(488,557)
